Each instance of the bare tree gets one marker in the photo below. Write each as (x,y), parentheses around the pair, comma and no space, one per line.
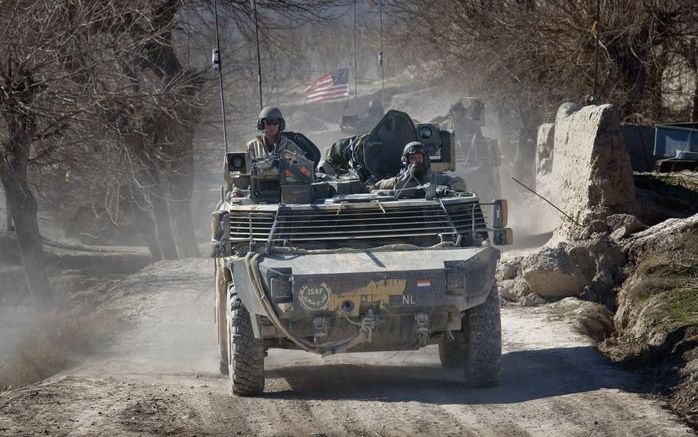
(36,99)
(531,55)
(168,158)
(59,85)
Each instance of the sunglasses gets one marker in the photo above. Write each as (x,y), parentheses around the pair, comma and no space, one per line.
(271,122)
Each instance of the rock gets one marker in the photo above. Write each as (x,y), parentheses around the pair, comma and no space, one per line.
(506,289)
(601,261)
(595,227)
(624,225)
(591,168)
(588,318)
(521,288)
(551,273)
(629,221)
(569,269)
(565,110)
(509,269)
(661,236)
(531,300)
(513,289)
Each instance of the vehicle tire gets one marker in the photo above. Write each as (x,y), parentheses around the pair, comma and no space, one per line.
(246,357)
(483,330)
(222,319)
(452,351)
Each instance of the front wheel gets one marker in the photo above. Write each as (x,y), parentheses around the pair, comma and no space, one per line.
(483,329)
(221,312)
(246,356)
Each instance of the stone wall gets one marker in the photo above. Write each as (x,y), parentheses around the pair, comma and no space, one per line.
(544,148)
(591,170)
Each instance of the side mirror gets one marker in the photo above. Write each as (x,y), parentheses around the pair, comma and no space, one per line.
(500,214)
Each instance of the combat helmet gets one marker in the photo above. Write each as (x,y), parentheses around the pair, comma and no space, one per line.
(270,112)
(413,148)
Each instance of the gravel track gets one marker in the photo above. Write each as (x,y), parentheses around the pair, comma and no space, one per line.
(161,377)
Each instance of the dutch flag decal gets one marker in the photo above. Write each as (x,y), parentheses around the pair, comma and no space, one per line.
(423,282)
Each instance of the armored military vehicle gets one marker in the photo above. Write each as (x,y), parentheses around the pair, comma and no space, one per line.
(478,157)
(325,265)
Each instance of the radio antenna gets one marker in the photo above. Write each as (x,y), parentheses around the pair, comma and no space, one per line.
(380,53)
(356,86)
(259,58)
(216,62)
(549,202)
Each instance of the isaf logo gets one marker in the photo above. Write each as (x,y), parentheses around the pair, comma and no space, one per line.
(314,297)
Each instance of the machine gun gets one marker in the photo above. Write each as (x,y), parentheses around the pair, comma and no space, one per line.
(284,177)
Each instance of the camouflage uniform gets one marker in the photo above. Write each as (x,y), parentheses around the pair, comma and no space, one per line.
(403,181)
(259,148)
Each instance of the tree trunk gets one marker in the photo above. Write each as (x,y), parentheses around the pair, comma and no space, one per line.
(22,207)
(9,226)
(181,182)
(163,227)
(162,218)
(184,229)
(694,110)
(147,228)
(163,61)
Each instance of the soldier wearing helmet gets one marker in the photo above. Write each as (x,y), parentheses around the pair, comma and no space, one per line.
(415,154)
(271,122)
(416,171)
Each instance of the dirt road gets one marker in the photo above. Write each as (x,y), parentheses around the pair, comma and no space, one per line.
(160,378)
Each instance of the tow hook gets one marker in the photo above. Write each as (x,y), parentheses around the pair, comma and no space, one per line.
(368,324)
(422,322)
(321,326)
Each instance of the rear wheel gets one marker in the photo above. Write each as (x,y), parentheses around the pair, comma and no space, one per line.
(483,330)
(246,357)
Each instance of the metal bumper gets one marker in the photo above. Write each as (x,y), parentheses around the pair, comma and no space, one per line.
(304,286)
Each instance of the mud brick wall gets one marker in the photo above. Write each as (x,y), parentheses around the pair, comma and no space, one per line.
(591,167)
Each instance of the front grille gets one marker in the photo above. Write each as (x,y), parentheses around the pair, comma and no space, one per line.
(251,225)
(462,217)
(362,223)
(371,222)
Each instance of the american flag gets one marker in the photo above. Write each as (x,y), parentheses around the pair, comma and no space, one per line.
(330,86)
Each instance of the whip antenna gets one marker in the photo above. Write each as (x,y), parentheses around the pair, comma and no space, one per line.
(216,62)
(549,202)
(380,53)
(356,86)
(259,59)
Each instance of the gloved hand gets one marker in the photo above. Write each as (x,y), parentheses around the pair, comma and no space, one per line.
(236,192)
(403,178)
(442,191)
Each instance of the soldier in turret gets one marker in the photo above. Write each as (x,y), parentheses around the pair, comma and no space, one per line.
(416,171)
(272,122)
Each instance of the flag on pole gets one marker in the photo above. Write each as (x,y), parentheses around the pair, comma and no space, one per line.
(333,85)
